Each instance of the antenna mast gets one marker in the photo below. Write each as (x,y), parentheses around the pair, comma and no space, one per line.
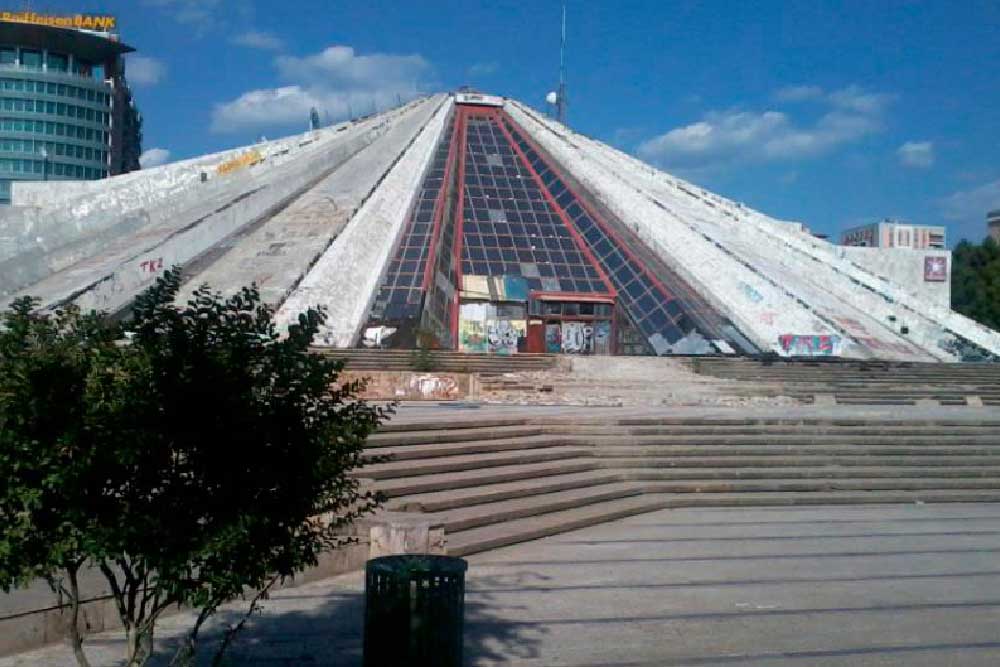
(561,95)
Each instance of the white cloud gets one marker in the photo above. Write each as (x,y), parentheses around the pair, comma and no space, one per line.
(798,93)
(734,136)
(916,154)
(201,14)
(256,39)
(972,204)
(144,71)
(966,209)
(336,81)
(483,69)
(154,157)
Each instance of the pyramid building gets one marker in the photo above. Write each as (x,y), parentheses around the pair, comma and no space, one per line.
(474,223)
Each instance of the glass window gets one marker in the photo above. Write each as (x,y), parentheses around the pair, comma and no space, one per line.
(8,56)
(31,59)
(57,62)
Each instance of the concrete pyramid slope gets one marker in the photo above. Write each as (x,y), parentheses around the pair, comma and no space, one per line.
(477,222)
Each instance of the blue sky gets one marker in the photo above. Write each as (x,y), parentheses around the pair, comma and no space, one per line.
(829,113)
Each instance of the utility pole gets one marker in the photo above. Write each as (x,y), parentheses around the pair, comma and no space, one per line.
(561,94)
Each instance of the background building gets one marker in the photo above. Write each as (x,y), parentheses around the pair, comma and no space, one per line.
(66,112)
(993,224)
(894,234)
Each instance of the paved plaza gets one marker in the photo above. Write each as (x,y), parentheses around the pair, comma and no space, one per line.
(914,585)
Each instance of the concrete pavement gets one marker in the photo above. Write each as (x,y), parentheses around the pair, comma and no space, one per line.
(914,585)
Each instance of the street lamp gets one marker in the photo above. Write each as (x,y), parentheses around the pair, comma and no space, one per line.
(45,164)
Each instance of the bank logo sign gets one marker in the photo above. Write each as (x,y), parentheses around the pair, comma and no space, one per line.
(77,21)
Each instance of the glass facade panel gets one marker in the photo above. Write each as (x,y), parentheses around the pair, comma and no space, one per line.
(508,221)
(57,62)
(31,59)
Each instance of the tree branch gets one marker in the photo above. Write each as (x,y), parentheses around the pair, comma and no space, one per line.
(116,591)
(230,634)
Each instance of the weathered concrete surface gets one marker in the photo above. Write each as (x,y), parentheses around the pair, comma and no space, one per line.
(101,258)
(770,277)
(913,586)
(276,254)
(905,268)
(414,385)
(345,278)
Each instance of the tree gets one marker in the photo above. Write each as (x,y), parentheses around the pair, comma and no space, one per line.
(975,281)
(206,457)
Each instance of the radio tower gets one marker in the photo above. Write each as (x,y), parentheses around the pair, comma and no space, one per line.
(561,95)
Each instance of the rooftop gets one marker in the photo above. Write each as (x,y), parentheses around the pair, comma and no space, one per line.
(83,44)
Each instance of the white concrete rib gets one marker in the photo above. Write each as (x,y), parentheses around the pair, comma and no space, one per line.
(775,256)
(344,280)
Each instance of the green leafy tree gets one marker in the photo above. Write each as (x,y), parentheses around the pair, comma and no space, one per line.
(206,457)
(975,281)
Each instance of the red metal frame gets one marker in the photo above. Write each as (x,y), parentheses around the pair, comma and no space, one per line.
(456,258)
(567,223)
(599,220)
(459,145)
(439,207)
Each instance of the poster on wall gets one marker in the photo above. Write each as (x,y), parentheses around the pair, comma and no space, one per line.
(935,269)
(471,336)
(553,338)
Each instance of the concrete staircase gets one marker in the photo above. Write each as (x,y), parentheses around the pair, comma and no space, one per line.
(861,382)
(494,482)
(443,361)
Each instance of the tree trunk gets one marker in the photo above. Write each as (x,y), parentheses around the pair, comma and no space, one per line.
(75,638)
(139,645)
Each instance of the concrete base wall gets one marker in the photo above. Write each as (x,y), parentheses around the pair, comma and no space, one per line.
(415,386)
(35,628)
(904,267)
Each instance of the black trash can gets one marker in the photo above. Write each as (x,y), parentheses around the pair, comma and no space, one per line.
(414,611)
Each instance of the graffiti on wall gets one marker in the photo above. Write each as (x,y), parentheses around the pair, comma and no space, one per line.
(810,345)
(577,338)
(434,386)
(750,292)
(503,335)
(863,336)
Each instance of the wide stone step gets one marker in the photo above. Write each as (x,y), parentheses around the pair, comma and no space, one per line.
(521,530)
(438,501)
(479,477)
(447,464)
(430,451)
(848,484)
(791,439)
(816,472)
(436,436)
(798,461)
(484,514)
(494,536)
(465,421)
(805,430)
(804,449)
(804,421)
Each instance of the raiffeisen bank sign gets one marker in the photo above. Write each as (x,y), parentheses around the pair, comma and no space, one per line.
(78,21)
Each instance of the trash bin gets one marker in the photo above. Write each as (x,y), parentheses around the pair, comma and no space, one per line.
(414,610)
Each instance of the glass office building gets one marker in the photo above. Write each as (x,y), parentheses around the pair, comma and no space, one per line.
(66,112)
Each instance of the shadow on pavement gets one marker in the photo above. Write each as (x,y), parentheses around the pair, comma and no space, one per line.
(327,628)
